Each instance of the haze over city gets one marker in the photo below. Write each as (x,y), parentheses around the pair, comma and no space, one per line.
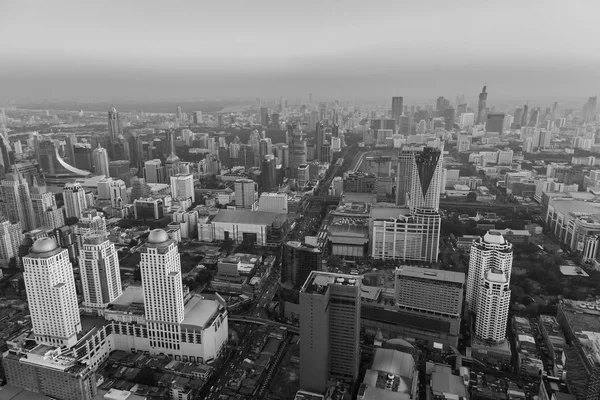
(68,50)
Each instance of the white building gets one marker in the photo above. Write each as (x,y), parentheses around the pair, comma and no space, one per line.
(490,253)
(258,227)
(10,240)
(51,295)
(100,161)
(90,222)
(467,119)
(99,268)
(246,193)
(182,187)
(188,223)
(15,201)
(45,211)
(75,199)
(273,202)
(303,175)
(154,172)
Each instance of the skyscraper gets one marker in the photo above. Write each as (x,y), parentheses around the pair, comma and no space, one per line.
(114,123)
(397,108)
(299,260)
(182,187)
(589,110)
(267,174)
(15,201)
(179,115)
(45,211)
(518,118)
(319,140)
(403,181)
(329,329)
(494,123)
(99,268)
(100,161)
(11,236)
(51,294)
(246,193)
(163,292)
(481,106)
(264,116)
(75,199)
(524,115)
(426,179)
(488,293)
(449,118)
(154,172)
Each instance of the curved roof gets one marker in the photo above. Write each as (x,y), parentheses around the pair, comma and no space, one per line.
(157,236)
(44,245)
(394,362)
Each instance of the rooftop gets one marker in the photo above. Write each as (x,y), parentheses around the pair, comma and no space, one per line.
(248,217)
(304,395)
(199,312)
(447,383)
(394,362)
(317,281)
(432,274)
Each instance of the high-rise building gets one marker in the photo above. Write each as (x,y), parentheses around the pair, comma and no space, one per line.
(303,174)
(329,329)
(15,201)
(269,180)
(182,187)
(589,110)
(264,116)
(100,161)
(534,118)
(179,115)
(426,179)
(449,118)
(518,117)
(319,140)
(403,179)
(246,193)
(51,294)
(197,117)
(45,211)
(75,199)
(481,106)
(488,292)
(154,172)
(11,236)
(163,292)
(299,260)
(273,202)
(494,123)
(99,268)
(114,123)
(524,115)
(83,156)
(397,108)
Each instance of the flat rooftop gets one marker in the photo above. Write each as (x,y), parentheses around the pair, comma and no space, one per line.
(199,311)
(572,270)
(576,207)
(132,295)
(431,274)
(248,217)
(317,281)
(388,212)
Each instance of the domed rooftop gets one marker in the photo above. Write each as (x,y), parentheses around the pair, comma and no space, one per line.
(172,158)
(494,238)
(112,110)
(157,236)
(44,245)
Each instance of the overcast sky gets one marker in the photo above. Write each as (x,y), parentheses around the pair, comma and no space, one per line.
(346,49)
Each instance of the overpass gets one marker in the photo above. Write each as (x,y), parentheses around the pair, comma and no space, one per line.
(263,321)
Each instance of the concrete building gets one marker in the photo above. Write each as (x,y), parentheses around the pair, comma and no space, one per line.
(273,202)
(303,174)
(75,199)
(45,211)
(246,193)
(299,260)
(329,329)
(257,227)
(182,187)
(100,161)
(51,295)
(393,375)
(148,208)
(11,236)
(154,172)
(15,201)
(99,269)
(488,293)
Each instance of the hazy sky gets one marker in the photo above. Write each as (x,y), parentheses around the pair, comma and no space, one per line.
(146,49)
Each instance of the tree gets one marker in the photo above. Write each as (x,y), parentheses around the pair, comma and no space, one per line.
(471,197)
(71,221)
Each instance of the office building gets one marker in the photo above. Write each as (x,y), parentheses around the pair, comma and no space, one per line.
(425,179)
(481,107)
(148,208)
(182,187)
(114,123)
(83,156)
(264,116)
(45,211)
(100,161)
(197,117)
(15,201)
(273,202)
(268,174)
(299,260)
(329,329)
(154,172)
(534,118)
(252,227)
(403,179)
(75,199)
(99,269)
(397,109)
(319,140)
(589,110)
(51,295)
(246,193)
(494,123)
(303,175)
(449,118)
(488,293)
(11,236)
(524,115)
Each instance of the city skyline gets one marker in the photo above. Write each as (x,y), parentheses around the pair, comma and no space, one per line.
(268,50)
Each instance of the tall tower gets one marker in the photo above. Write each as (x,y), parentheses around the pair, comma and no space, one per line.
(114,123)
(299,260)
(51,294)
(481,111)
(75,200)
(100,161)
(426,180)
(99,267)
(163,292)
(45,211)
(397,109)
(403,179)
(492,310)
(320,139)
(329,329)
(182,187)
(246,193)
(524,115)
(15,201)
(173,163)
(490,253)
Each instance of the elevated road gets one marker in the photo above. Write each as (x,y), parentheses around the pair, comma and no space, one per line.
(263,321)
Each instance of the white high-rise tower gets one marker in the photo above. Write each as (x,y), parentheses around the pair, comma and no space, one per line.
(15,201)
(100,161)
(163,292)
(99,267)
(488,295)
(51,294)
(75,200)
